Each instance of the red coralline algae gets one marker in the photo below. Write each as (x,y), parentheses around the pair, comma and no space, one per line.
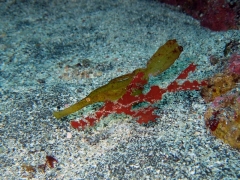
(234,64)
(125,103)
(221,83)
(223,115)
(223,119)
(217,101)
(217,15)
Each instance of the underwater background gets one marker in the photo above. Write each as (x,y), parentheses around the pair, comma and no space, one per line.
(54,53)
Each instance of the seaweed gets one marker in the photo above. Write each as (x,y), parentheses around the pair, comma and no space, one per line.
(128,101)
(163,58)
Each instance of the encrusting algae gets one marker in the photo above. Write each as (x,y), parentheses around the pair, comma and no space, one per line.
(163,58)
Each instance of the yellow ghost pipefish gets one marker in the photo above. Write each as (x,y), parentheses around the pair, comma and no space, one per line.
(165,56)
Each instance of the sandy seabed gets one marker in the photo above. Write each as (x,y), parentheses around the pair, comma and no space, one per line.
(54,53)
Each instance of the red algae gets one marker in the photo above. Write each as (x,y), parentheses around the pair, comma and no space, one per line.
(223,115)
(161,60)
(125,103)
(234,64)
(217,15)
(221,83)
(223,119)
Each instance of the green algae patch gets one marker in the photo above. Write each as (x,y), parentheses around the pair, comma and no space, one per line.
(163,58)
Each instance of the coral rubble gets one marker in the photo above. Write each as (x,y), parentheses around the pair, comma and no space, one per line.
(223,119)
(223,115)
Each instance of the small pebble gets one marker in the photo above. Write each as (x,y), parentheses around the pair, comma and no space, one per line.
(69,135)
